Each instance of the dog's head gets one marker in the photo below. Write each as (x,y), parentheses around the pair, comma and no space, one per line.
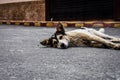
(58,40)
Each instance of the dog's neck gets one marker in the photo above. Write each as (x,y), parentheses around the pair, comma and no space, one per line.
(75,40)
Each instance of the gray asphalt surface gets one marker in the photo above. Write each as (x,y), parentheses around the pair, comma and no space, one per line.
(21,58)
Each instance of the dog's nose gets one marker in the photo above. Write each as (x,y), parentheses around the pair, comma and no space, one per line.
(63,46)
(42,43)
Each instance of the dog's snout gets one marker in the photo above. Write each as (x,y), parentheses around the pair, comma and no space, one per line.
(63,46)
(41,43)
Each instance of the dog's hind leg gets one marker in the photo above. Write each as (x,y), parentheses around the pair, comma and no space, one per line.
(117,40)
(105,36)
(105,42)
(102,30)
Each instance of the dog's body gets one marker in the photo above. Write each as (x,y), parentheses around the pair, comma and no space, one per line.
(90,37)
(81,37)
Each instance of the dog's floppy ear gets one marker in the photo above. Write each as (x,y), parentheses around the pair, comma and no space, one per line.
(60,29)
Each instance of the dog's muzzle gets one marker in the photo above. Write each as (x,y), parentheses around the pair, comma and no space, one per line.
(63,46)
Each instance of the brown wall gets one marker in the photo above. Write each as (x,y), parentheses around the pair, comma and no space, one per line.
(29,11)
(13,1)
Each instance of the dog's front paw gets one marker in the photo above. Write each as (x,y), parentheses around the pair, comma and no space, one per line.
(117,47)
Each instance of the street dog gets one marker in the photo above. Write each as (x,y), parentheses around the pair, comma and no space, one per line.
(81,37)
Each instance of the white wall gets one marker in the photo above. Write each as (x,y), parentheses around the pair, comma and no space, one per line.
(12,1)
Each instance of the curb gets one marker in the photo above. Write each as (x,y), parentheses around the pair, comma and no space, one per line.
(77,24)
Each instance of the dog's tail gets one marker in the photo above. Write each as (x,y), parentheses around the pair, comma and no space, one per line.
(102,30)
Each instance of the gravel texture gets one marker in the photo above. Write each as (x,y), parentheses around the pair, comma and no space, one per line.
(23,58)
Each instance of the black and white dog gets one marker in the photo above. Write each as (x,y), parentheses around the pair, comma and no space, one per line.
(81,37)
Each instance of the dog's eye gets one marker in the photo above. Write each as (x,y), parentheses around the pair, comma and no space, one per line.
(55,42)
(60,37)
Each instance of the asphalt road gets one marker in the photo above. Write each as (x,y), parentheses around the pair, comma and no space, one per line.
(21,58)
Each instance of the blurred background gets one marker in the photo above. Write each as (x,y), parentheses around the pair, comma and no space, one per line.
(60,10)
